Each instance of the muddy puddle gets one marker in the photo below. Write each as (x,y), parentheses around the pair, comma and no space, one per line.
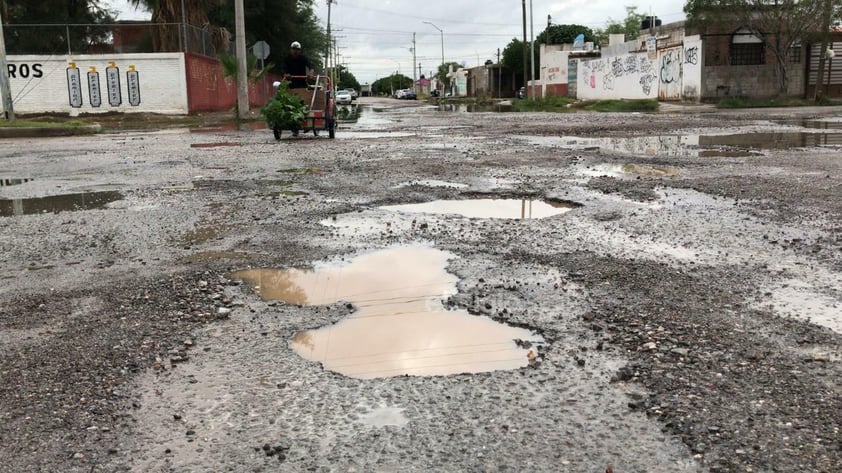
(734,145)
(58,203)
(515,209)
(400,325)
(7,182)
(475,108)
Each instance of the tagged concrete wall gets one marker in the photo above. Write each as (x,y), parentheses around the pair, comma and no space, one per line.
(670,62)
(554,72)
(628,76)
(99,83)
(691,83)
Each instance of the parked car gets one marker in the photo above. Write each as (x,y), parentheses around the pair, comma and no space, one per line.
(400,93)
(409,94)
(343,97)
(354,93)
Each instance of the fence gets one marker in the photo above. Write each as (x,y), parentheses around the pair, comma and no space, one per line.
(117,38)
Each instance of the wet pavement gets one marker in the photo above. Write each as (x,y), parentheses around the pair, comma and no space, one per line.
(660,295)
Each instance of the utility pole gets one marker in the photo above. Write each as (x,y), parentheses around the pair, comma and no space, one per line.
(525,76)
(8,107)
(414,77)
(242,70)
(329,39)
(531,51)
(499,76)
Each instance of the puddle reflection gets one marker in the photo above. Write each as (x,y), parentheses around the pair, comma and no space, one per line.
(488,208)
(58,203)
(400,326)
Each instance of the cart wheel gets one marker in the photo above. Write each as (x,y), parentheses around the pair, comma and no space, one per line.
(277,132)
(331,130)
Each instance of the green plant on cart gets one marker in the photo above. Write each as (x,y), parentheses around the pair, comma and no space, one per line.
(285,110)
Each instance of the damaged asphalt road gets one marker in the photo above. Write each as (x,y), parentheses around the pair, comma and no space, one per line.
(688,297)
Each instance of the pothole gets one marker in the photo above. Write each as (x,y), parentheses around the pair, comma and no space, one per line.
(400,326)
(431,183)
(520,209)
(4,182)
(58,203)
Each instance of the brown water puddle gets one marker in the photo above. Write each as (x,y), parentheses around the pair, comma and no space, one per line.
(222,144)
(400,326)
(488,208)
(58,203)
(13,181)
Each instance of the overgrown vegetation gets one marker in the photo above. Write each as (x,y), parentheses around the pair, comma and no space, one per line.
(566,104)
(41,124)
(736,102)
(544,104)
(285,110)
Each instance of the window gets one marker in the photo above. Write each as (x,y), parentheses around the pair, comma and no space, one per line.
(795,54)
(746,48)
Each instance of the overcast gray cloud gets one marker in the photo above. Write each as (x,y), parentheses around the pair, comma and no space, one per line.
(375,38)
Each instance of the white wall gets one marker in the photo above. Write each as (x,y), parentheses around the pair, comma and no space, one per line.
(40,83)
(554,68)
(692,78)
(628,76)
(670,62)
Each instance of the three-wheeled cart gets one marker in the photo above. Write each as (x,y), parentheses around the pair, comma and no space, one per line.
(321,108)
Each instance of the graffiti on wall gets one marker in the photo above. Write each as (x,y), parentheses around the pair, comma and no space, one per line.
(626,69)
(691,55)
(670,73)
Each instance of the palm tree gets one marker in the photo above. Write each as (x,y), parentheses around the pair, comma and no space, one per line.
(167,36)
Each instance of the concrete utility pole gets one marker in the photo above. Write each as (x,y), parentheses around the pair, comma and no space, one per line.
(329,39)
(8,106)
(242,70)
(531,51)
(525,75)
(414,77)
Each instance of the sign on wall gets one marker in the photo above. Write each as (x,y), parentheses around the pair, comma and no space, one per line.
(74,85)
(94,91)
(112,79)
(133,83)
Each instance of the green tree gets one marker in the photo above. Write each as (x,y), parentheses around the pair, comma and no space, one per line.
(387,85)
(629,27)
(347,79)
(781,25)
(513,58)
(444,69)
(279,23)
(561,34)
(167,36)
(52,40)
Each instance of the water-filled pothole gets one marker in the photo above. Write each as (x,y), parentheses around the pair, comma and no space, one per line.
(520,209)
(400,326)
(58,203)
(4,182)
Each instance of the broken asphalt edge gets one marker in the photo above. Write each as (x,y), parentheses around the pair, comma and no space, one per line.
(48,131)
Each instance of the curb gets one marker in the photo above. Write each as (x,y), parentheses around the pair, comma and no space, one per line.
(47,132)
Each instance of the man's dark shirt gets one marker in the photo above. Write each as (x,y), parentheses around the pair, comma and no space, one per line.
(297,66)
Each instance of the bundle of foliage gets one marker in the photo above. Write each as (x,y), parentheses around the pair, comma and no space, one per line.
(285,110)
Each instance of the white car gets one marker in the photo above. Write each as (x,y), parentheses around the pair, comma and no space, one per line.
(343,97)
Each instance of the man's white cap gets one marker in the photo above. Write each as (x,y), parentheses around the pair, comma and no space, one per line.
(295,45)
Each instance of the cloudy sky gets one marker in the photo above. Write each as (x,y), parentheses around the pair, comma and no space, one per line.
(375,37)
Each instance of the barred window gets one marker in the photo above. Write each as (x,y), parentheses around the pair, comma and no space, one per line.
(747,54)
(746,48)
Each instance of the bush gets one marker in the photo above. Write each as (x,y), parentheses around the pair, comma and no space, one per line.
(285,110)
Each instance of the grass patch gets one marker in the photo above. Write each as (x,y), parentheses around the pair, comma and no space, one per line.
(620,106)
(42,124)
(543,104)
(742,102)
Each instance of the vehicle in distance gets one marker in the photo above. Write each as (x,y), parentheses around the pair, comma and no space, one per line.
(343,97)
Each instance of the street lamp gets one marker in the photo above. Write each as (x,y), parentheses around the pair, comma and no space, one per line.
(442,38)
